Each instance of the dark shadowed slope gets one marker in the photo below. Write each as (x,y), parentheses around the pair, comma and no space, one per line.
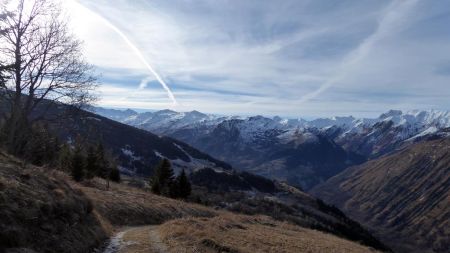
(39,210)
(405,196)
(137,150)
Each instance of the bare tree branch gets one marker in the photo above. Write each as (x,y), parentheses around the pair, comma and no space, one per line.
(45,61)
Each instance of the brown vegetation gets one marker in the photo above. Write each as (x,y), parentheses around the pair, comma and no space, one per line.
(40,211)
(238,233)
(127,206)
(45,211)
(405,196)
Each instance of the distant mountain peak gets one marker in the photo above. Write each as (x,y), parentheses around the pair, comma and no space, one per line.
(168,111)
(391,113)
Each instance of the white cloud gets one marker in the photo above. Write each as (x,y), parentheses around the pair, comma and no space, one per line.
(270,57)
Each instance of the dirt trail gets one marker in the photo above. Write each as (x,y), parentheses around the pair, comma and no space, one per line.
(137,240)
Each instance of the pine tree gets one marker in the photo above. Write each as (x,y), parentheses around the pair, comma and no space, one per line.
(114,175)
(65,158)
(92,167)
(163,178)
(155,186)
(77,165)
(41,148)
(102,162)
(183,186)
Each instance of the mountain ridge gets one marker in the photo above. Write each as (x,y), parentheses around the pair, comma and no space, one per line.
(281,148)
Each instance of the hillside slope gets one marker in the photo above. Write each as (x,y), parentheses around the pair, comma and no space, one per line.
(42,212)
(405,196)
(247,234)
(137,150)
(245,193)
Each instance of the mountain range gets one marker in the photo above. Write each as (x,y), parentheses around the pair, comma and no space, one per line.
(303,153)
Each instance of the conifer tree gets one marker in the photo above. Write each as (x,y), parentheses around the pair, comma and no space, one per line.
(77,165)
(155,186)
(183,186)
(114,175)
(64,158)
(163,178)
(102,162)
(92,167)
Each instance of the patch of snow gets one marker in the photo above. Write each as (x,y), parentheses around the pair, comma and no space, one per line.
(158,154)
(430,130)
(94,118)
(130,154)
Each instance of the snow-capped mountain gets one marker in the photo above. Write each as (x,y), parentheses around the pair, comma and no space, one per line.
(378,136)
(302,152)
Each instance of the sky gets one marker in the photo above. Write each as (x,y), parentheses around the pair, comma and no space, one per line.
(296,58)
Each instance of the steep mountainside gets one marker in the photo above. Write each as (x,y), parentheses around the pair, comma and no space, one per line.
(137,150)
(404,197)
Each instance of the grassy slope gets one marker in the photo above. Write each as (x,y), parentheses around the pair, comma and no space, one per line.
(45,211)
(42,212)
(127,206)
(405,196)
(238,233)
(285,203)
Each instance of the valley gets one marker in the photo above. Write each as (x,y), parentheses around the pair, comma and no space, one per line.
(390,168)
(155,126)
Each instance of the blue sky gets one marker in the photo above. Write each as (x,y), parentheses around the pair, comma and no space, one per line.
(307,58)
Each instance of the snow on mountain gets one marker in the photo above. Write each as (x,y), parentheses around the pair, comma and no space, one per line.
(389,128)
(412,123)
(299,151)
(439,119)
(114,114)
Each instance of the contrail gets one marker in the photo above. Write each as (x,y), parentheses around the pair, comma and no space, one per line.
(393,14)
(138,54)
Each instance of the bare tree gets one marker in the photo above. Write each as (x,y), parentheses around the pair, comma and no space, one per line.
(47,66)
(3,66)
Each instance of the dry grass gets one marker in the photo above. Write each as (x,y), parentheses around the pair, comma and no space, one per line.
(40,211)
(44,210)
(404,196)
(123,205)
(238,233)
